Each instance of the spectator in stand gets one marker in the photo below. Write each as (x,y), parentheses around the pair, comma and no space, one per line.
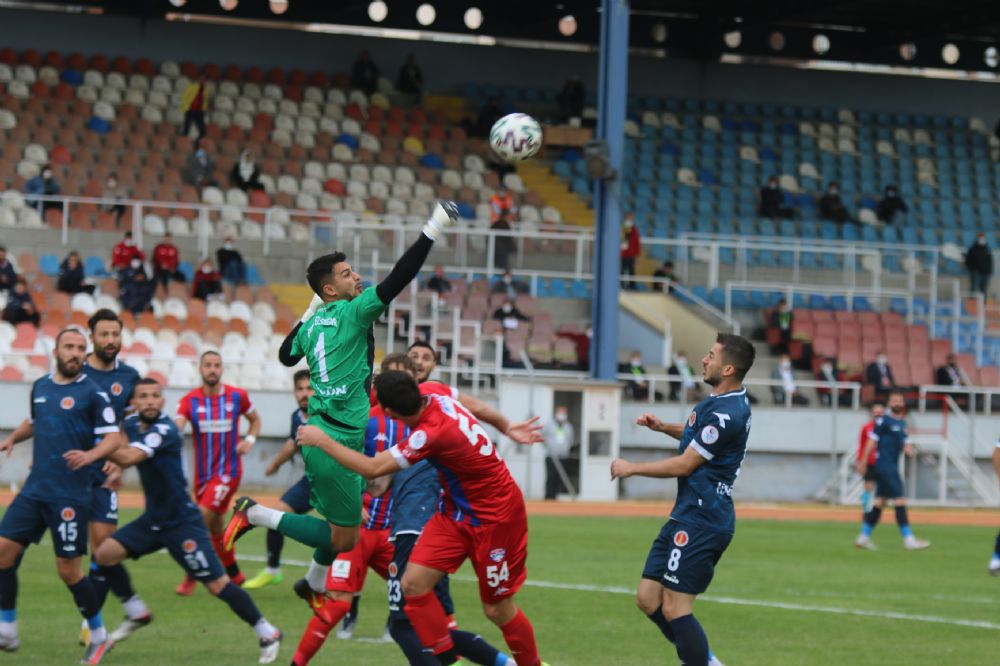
(506,284)
(681,367)
(20,308)
(637,386)
(207,283)
(571,99)
(509,316)
(631,248)
(772,201)
(503,244)
(166,262)
(559,440)
(198,171)
(114,195)
(364,75)
(787,389)
(582,342)
(950,374)
(666,272)
(44,184)
(502,205)
(782,319)
(230,262)
(71,276)
(979,261)
(879,375)
(8,276)
(438,282)
(124,252)
(488,114)
(868,494)
(245,174)
(831,206)
(194,104)
(411,79)
(891,207)
(136,290)
(827,372)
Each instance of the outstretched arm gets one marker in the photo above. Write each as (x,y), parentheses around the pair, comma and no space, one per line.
(366,466)
(674,430)
(445,214)
(668,468)
(522,432)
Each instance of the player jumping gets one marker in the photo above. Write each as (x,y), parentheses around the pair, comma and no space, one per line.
(214,412)
(171,519)
(68,412)
(713,442)
(889,435)
(482,514)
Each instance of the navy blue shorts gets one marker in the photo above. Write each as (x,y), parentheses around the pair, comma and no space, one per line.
(297,496)
(189,545)
(888,483)
(402,547)
(104,506)
(683,558)
(26,520)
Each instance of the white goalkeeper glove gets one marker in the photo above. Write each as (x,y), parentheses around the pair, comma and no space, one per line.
(315,304)
(445,215)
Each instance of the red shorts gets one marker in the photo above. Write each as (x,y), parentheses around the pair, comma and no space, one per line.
(216,493)
(347,573)
(498,552)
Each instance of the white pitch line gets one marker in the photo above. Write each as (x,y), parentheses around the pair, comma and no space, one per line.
(732,601)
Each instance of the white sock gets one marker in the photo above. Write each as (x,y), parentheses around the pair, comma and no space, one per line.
(8,628)
(274,571)
(264,517)
(98,635)
(135,607)
(265,629)
(316,576)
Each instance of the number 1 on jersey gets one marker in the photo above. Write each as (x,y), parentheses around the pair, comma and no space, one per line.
(319,352)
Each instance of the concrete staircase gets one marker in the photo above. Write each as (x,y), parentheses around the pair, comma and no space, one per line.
(537,176)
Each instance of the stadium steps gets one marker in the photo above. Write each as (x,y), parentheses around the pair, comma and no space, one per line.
(295,296)
(538,176)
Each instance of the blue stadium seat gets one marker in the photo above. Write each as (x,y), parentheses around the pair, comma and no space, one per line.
(49,264)
(93,266)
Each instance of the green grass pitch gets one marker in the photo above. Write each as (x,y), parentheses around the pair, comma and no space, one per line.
(784,593)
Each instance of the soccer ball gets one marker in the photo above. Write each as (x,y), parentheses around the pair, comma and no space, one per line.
(516,137)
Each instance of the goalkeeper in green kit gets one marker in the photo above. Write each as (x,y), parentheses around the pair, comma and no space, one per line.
(334,337)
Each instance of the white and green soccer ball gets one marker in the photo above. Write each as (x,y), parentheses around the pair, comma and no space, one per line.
(516,137)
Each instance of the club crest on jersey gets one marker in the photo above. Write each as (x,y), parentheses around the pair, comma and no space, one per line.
(116,389)
(417,440)
(692,418)
(229,406)
(68,513)
(67,402)
(393,570)
(189,545)
(681,538)
(498,554)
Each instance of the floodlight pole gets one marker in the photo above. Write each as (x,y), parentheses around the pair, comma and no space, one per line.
(612,96)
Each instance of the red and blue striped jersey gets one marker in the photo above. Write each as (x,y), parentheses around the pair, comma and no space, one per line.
(215,425)
(381,434)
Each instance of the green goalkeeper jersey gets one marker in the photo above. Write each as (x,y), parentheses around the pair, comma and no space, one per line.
(335,343)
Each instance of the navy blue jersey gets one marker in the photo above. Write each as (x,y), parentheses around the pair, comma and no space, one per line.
(118,382)
(162,472)
(299,418)
(890,435)
(65,417)
(718,429)
(416,493)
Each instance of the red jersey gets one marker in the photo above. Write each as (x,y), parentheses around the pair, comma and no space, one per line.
(215,424)
(866,431)
(165,255)
(122,255)
(382,433)
(478,488)
(437,388)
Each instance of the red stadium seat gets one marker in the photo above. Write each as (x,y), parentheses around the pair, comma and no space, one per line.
(31,57)
(60,155)
(76,61)
(354,111)
(293,93)
(335,187)
(232,73)
(260,199)
(145,67)
(40,89)
(319,79)
(254,75)
(298,77)
(122,65)
(276,75)
(99,62)
(211,71)
(54,59)
(189,69)
(8,56)
(10,374)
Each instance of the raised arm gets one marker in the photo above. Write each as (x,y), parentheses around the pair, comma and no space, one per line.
(674,430)
(668,468)
(368,467)
(445,214)
(522,432)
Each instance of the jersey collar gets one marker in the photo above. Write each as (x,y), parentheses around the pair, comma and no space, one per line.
(741,391)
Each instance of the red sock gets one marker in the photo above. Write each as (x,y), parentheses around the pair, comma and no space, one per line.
(429,621)
(228,558)
(520,638)
(316,632)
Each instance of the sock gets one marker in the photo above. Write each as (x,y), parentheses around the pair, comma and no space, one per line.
(309,530)
(228,558)
(406,638)
(119,582)
(352,615)
(657,618)
(996,551)
(241,603)
(474,648)
(85,598)
(8,599)
(264,517)
(429,621)
(99,580)
(520,638)
(871,520)
(316,576)
(317,631)
(903,520)
(135,607)
(275,542)
(264,629)
(692,644)
(866,501)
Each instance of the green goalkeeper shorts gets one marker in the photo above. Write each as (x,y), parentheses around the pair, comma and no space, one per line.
(334,491)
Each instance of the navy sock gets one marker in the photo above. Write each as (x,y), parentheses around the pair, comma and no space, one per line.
(85,597)
(656,617)
(903,520)
(119,581)
(474,648)
(241,603)
(275,542)
(996,547)
(406,638)
(99,581)
(692,644)
(8,589)
(871,520)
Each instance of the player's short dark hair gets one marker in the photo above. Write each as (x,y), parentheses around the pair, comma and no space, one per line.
(69,329)
(300,375)
(896,392)
(399,392)
(147,381)
(425,345)
(319,271)
(738,352)
(210,352)
(397,358)
(104,314)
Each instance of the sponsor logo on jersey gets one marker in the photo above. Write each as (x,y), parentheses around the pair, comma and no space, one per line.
(201,410)
(331,392)
(692,418)
(116,389)
(325,321)
(215,425)
(340,569)
(681,538)
(501,590)
(381,437)
(225,478)
(189,545)
(498,554)
(671,579)
(67,402)
(68,513)
(39,401)
(393,570)
(709,435)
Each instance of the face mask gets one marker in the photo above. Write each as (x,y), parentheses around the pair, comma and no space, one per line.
(628,224)
(833,190)
(786,365)
(136,263)
(772,186)
(636,362)
(508,307)
(227,245)
(46,175)
(201,154)
(827,369)
(206,269)
(561,417)
(507,279)
(882,360)
(981,241)
(681,361)
(128,242)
